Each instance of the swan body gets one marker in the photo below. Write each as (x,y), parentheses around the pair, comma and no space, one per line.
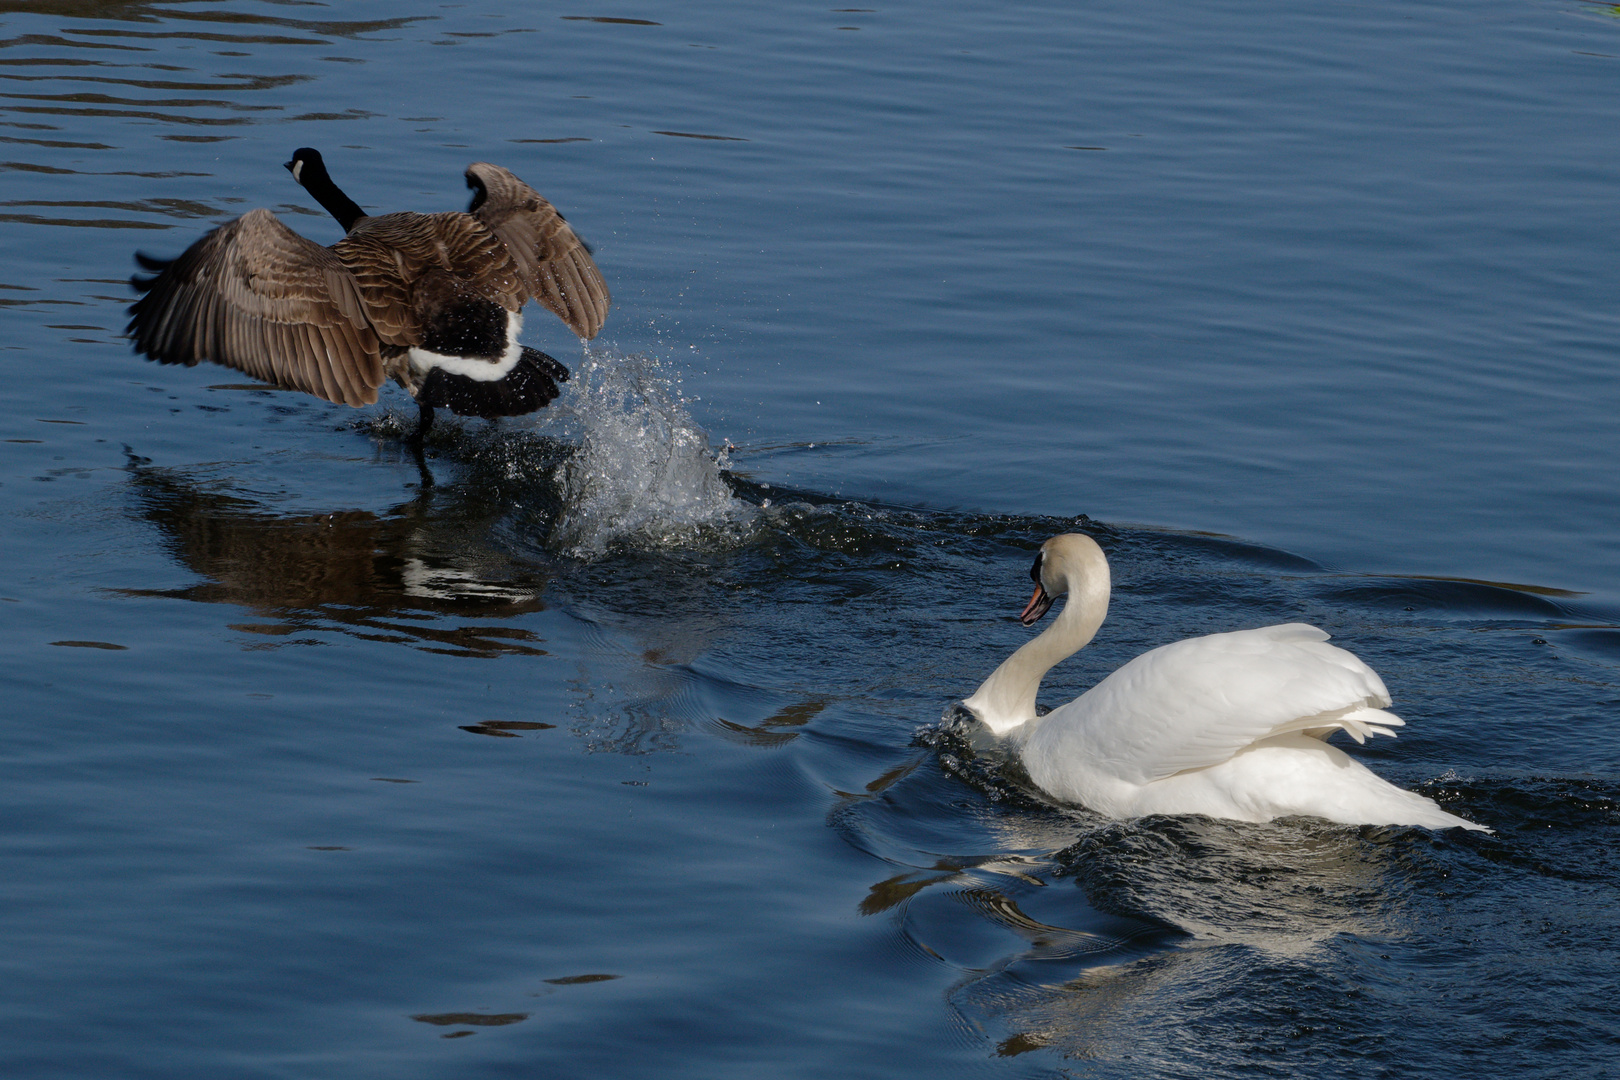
(1230,725)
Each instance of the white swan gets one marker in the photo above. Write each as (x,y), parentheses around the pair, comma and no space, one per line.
(1229,725)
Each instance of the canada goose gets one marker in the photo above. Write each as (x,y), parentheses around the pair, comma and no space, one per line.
(432,301)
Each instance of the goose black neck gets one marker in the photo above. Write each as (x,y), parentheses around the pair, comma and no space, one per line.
(313,176)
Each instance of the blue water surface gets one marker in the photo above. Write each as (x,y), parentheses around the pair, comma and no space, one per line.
(624,747)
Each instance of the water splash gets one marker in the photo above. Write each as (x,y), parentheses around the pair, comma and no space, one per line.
(644,474)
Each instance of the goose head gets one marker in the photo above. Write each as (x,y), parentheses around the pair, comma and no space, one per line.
(306,158)
(309,170)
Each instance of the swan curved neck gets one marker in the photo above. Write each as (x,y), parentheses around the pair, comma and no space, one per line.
(1006,700)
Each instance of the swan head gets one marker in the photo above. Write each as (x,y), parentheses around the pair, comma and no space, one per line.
(1071,554)
(1072,564)
(1042,600)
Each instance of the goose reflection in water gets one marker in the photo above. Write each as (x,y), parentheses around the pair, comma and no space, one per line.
(405,576)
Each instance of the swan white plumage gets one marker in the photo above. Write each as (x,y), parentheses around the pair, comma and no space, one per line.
(1229,725)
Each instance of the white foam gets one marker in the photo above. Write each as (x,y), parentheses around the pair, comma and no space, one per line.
(644,474)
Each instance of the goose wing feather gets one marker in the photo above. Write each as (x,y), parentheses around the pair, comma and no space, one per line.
(388,255)
(554,265)
(1195,703)
(254,295)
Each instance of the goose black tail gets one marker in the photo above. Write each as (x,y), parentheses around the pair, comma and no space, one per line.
(530,385)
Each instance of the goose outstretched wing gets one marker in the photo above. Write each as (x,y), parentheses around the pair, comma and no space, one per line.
(555,266)
(254,295)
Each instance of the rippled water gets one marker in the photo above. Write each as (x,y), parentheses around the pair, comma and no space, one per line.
(625,747)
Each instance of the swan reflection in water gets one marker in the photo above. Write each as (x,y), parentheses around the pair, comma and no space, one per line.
(408,576)
(1107,940)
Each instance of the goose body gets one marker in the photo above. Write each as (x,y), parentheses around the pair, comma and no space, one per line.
(432,301)
(1230,725)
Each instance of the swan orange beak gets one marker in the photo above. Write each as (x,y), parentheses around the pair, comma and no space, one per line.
(1037,607)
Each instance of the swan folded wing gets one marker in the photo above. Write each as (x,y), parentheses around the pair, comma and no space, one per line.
(1196,703)
(255,296)
(555,265)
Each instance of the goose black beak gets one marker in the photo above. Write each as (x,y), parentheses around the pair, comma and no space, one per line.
(1036,608)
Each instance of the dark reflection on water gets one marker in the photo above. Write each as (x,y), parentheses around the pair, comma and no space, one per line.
(773,731)
(406,576)
(181,208)
(144,11)
(84,59)
(471,1019)
(694,135)
(1432,594)
(506,729)
(607,19)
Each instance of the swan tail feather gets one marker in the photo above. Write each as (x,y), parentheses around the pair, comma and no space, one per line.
(1429,815)
(1358,722)
(1365,721)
